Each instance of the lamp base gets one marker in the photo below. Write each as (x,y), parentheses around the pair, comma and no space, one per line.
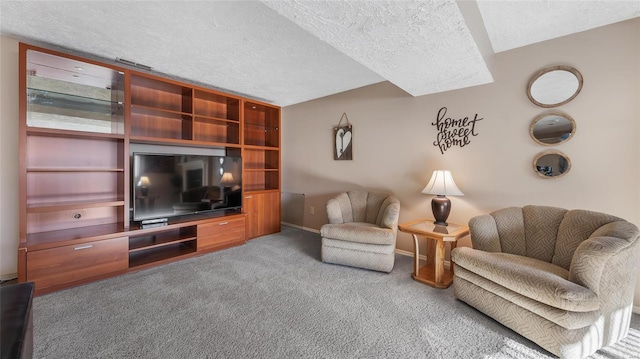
(441,207)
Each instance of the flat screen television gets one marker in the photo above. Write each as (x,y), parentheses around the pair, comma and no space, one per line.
(170,185)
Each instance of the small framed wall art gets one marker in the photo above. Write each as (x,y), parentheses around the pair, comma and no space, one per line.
(343,140)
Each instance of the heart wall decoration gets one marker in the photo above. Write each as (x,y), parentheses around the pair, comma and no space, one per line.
(343,140)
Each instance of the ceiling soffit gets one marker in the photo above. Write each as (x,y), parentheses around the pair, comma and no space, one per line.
(422,47)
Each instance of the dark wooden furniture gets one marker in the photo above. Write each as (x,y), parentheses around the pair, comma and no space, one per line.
(78,121)
(16,327)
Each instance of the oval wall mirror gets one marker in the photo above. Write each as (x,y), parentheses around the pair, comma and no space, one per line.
(552,128)
(554,86)
(551,164)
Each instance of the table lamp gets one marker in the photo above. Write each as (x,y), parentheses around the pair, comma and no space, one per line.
(227,180)
(441,184)
(144,184)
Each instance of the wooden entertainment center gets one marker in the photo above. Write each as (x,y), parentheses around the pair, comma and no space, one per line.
(79,120)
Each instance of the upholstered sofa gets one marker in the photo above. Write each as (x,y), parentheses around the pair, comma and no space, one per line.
(362,230)
(564,279)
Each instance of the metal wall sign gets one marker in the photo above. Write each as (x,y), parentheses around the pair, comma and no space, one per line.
(452,131)
(343,140)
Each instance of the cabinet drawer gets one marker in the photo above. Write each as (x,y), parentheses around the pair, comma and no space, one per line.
(56,266)
(221,233)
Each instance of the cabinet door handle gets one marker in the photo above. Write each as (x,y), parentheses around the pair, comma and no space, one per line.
(223,223)
(83,247)
(248,196)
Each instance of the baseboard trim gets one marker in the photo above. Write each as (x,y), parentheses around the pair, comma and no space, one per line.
(636,309)
(423,257)
(8,276)
(409,254)
(300,227)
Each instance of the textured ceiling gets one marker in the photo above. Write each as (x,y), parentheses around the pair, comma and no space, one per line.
(513,24)
(421,47)
(286,52)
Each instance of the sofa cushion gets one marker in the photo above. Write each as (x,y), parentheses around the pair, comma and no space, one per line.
(484,233)
(339,209)
(532,278)
(564,318)
(358,202)
(358,247)
(510,226)
(541,225)
(359,232)
(374,201)
(565,343)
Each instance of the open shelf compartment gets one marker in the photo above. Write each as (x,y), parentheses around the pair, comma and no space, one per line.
(147,122)
(162,95)
(218,131)
(162,238)
(158,254)
(209,104)
(261,181)
(261,125)
(74,217)
(98,154)
(260,159)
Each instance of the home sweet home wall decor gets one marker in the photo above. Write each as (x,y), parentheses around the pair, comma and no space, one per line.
(452,131)
(343,140)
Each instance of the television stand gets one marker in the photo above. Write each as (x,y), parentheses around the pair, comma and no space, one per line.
(92,253)
(151,223)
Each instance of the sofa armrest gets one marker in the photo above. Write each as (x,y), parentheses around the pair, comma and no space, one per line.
(484,233)
(391,215)
(592,257)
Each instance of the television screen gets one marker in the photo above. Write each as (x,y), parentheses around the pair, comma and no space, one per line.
(168,185)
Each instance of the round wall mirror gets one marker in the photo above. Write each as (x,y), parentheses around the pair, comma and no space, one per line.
(554,86)
(552,128)
(551,164)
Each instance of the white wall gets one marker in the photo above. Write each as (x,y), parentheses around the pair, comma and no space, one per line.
(8,158)
(393,137)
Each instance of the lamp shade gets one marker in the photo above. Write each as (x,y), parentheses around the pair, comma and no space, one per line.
(441,183)
(227,178)
(144,182)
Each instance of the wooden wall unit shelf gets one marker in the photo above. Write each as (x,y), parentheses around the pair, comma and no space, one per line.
(166,110)
(162,245)
(78,118)
(261,162)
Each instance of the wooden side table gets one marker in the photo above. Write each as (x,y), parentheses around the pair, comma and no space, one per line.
(433,273)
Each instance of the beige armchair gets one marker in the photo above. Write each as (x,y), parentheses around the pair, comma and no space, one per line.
(563,279)
(362,230)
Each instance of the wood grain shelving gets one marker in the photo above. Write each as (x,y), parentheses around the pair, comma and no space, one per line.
(65,206)
(159,239)
(76,133)
(261,162)
(160,254)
